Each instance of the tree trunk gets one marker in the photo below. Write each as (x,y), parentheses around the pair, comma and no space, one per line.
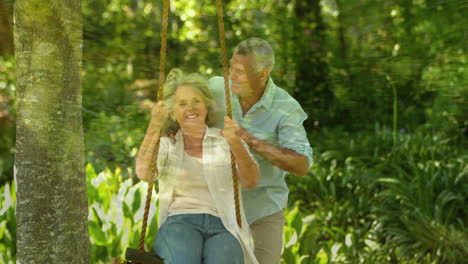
(49,164)
(343,50)
(314,92)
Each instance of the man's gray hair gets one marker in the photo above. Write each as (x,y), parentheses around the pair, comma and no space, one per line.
(261,51)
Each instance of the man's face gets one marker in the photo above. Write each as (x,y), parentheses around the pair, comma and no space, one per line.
(241,73)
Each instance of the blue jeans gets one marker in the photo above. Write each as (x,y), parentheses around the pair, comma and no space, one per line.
(196,239)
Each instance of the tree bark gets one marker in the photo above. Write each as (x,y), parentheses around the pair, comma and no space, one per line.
(314,92)
(343,50)
(49,164)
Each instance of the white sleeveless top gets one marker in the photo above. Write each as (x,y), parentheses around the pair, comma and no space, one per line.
(191,193)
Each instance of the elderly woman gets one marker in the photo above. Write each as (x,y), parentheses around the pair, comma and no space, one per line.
(196,198)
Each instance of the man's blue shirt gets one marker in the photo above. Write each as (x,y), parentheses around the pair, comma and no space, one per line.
(277,119)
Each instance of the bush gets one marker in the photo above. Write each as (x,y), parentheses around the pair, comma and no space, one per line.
(115,214)
(7,118)
(112,141)
(114,124)
(422,205)
(367,200)
(7,224)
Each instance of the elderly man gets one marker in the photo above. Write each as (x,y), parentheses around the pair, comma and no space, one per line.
(271,124)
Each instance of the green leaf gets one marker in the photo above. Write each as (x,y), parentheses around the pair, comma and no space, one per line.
(127,212)
(288,256)
(3,225)
(136,203)
(388,180)
(322,256)
(90,172)
(96,215)
(290,236)
(304,259)
(97,234)
(152,231)
(294,220)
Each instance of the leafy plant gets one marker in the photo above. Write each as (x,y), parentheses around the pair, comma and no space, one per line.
(422,207)
(7,224)
(374,202)
(112,141)
(115,214)
(7,118)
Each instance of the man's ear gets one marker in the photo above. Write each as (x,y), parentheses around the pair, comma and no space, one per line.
(263,74)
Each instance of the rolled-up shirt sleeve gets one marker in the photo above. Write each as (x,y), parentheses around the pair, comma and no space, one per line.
(162,155)
(292,135)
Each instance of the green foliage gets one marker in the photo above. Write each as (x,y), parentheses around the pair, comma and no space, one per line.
(338,196)
(114,124)
(7,224)
(367,201)
(422,206)
(7,118)
(115,214)
(112,141)
(295,237)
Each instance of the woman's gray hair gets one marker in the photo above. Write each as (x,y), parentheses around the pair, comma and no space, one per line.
(175,79)
(261,51)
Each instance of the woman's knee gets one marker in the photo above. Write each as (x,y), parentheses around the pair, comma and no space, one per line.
(178,243)
(223,248)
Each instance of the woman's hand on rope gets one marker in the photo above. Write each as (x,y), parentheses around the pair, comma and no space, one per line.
(159,114)
(146,157)
(231,131)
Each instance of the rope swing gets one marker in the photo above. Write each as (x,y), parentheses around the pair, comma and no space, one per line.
(222,42)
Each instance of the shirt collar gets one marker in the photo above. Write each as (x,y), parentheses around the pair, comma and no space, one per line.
(209,132)
(267,98)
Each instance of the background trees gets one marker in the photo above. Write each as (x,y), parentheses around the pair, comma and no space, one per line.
(383,82)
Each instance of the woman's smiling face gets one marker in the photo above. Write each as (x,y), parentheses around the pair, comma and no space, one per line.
(189,107)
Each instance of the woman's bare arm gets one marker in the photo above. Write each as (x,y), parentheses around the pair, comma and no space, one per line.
(146,162)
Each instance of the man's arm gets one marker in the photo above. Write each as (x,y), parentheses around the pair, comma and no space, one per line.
(247,169)
(285,159)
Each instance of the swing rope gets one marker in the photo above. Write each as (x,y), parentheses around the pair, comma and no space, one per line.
(162,52)
(219,6)
(162,64)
